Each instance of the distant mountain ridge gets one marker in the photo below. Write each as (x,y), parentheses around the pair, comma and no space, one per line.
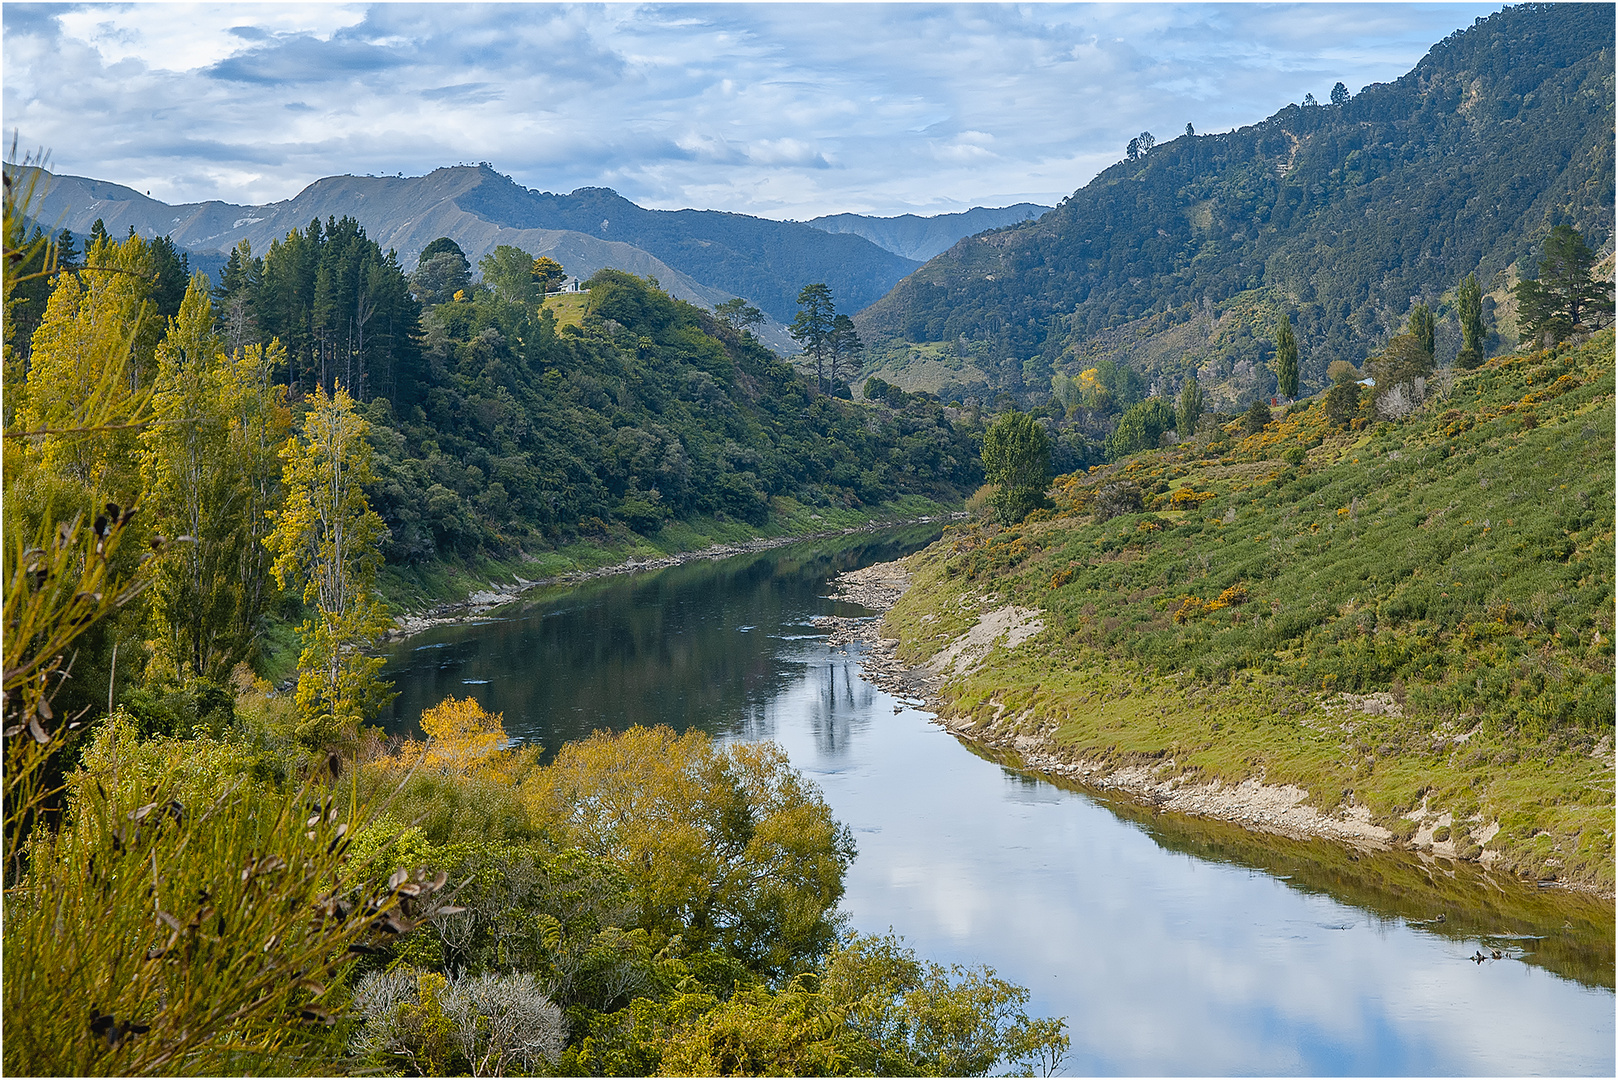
(706,256)
(921,238)
(1341,216)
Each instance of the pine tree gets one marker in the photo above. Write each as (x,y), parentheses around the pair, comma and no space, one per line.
(1565,299)
(813,328)
(1286,358)
(328,539)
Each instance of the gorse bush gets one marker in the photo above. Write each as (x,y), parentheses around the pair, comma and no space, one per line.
(186,918)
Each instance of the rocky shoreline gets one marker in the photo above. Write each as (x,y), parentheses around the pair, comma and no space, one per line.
(1278,809)
(498,594)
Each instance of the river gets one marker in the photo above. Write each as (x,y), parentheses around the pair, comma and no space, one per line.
(1171,945)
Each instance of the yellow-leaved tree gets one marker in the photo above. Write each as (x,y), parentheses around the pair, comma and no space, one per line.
(326,538)
(212,474)
(465,739)
(727,846)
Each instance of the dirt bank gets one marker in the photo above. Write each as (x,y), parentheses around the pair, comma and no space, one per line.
(1251,803)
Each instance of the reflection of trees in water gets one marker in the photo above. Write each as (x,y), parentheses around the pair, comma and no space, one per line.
(662,648)
(842,701)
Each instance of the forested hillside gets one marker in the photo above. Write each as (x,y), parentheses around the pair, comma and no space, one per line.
(206,876)
(1340,215)
(498,428)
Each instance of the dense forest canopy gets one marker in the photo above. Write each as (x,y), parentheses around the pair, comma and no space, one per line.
(1338,215)
(498,428)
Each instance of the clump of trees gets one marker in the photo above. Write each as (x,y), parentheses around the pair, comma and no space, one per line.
(1564,299)
(1017,459)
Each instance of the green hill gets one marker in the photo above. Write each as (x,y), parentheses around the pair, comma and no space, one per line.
(1341,215)
(1411,617)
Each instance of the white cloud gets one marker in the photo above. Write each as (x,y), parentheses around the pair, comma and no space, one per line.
(187,37)
(787,110)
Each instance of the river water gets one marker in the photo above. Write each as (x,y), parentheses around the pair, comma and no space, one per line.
(1172,946)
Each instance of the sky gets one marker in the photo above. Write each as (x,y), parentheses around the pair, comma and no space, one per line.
(779,110)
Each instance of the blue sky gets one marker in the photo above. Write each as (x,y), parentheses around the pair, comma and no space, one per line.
(781,110)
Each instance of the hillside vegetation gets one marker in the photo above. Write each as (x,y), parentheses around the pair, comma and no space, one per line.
(1414,617)
(1340,215)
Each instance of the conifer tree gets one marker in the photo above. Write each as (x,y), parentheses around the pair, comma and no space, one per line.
(1565,298)
(814,327)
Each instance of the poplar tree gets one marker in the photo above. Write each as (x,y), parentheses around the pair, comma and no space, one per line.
(1286,358)
(1469,299)
(1190,411)
(193,494)
(328,539)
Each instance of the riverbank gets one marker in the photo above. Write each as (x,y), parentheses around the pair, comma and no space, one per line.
(479,603)
(954,677)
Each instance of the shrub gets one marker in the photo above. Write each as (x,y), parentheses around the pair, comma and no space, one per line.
(485,1024)
(1119,497)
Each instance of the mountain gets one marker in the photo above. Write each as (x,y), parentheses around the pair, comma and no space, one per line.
(1341,216)
(705,256)
(921,238)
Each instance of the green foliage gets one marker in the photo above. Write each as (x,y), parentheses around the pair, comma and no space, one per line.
(71,559)
(1342,403)
(1188,417)
(1459,561)
(727,847)
(327,539)
(1565,298)
(649,413)
(1017,459)
(815,329)
(1257,417)
(184,920)
(1140,428)
(1347,212)
(1286,359)
(1469,304)
(338,305)
(515,275)
(738,314)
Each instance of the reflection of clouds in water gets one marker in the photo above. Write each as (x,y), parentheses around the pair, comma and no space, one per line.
(1162,962)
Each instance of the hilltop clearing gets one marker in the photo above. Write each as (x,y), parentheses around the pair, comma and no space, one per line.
(1409,624)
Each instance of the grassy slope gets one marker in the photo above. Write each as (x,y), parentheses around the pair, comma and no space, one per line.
(1460,562)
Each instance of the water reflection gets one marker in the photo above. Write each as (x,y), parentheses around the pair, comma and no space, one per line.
(1172,945)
